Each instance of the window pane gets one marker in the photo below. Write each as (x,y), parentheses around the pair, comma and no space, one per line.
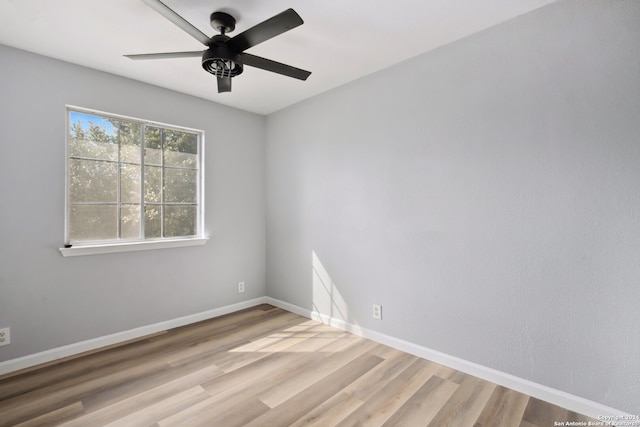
(179,221)
(129,134)
(92,181)
(130,221)
(93,222)
(152,184)
(153,146)
(152,221)
(180,185)
(93,149)
(180,149)
(130,184)
(92,136)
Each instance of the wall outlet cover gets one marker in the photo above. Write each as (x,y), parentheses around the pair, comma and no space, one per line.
(377,311)
(5,336)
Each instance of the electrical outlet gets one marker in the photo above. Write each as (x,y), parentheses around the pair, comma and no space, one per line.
(5,336)
(377,311)
(240,287)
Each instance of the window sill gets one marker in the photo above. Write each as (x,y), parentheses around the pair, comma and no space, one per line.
(131,246)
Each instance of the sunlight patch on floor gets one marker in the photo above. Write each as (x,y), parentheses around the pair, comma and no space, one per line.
(306,337)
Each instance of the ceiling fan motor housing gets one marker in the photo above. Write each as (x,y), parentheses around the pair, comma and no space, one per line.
(221,61)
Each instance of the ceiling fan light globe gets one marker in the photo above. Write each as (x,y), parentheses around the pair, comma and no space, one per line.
(222,62)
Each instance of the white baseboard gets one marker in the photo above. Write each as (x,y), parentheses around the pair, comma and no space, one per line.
(548,394)
(119,337)
(557,397)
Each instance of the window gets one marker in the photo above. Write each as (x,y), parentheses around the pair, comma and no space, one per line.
(130,180)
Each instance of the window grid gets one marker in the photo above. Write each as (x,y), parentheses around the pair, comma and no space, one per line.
(162,183)
(143,216)
(119,186)
(195,221)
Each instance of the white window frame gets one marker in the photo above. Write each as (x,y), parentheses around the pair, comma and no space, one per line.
(128,245)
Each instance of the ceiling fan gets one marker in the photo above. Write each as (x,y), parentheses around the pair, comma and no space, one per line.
(225,57)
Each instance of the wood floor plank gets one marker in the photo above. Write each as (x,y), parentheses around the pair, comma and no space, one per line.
(424,405)
(50,398)
(264,373)
(164,375)
(246,352)
(210,412)
(259,367)
(232,392)
(54,417)
(290,410)
(319,342)
(504,408)
(331,411)
(70,389)
(234,416)
(465,405)
(33,378)
(150,414)
(334,410)
(163,378)
(365,387)
(131,402)
(188,415)
(315,372)
(284,344)
(233,336)
(540,413)
(339,344)
(381,405)
(271,373)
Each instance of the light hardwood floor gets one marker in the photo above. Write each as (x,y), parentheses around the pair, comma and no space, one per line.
(261,367)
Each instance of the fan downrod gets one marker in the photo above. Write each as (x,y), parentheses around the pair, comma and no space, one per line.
(223,22)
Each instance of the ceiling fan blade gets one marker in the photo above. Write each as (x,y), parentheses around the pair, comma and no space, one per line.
(275,67)
(178,20)
(166,55)
(224,84)
(265,30)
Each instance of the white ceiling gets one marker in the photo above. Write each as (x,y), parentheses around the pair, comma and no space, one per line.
(340,40)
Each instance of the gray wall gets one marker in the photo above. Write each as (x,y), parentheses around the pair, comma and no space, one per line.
(50,301)
(486,194)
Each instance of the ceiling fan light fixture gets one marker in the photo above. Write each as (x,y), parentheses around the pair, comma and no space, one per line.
(222,62)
